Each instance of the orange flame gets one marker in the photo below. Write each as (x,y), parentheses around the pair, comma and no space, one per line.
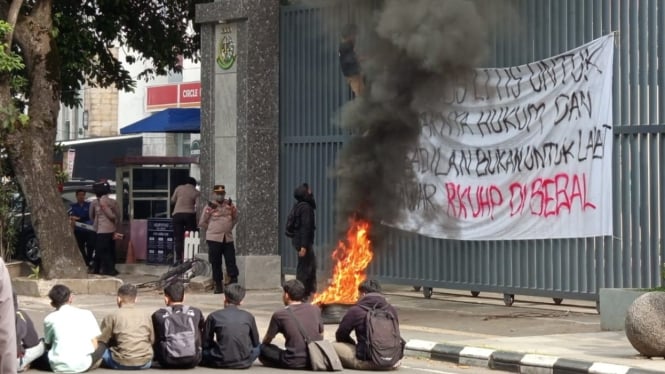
(352,258)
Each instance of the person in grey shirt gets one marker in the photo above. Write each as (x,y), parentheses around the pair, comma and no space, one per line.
(105,215)
(185,197)
(230,338)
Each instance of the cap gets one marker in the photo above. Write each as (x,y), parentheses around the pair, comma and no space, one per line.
(219,188)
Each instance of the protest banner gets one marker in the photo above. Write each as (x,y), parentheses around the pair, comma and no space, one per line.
(522,152)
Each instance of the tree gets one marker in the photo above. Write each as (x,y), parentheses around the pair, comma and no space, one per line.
(64,45)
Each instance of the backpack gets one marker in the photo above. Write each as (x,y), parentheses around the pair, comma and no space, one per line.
(179,346)
(290,224)
(385,346)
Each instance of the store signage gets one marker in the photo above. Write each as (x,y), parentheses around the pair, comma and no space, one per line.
(178,95)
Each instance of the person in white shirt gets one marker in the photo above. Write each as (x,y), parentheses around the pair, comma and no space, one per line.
(71,335)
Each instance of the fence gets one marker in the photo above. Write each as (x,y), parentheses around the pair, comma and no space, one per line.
(312,91)
(192,244)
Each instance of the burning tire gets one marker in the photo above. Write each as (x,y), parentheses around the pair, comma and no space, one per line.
(333,313)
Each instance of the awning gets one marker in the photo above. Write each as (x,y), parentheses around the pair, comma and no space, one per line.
(184,120)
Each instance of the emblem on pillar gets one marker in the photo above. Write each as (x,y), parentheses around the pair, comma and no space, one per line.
(226,48)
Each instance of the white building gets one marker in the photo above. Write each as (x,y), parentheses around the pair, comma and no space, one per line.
(104,111)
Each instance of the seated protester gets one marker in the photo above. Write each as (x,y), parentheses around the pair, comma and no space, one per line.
(28,345)
(128,333)
(71,333)
(231,339)
(284,321)
(384,332)
(178,329)
(7,325)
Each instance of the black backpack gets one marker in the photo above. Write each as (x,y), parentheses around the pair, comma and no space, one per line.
(385,346)
(179,345)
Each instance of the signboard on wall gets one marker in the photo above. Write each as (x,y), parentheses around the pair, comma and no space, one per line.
(178,95)
(161,244)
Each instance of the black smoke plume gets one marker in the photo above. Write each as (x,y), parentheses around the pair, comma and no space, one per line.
(414,50)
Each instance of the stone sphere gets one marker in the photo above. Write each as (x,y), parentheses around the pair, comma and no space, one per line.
(645,324)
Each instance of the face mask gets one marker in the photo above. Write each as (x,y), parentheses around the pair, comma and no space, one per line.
(219,198)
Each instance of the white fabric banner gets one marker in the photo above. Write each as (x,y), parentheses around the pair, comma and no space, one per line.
(523,153)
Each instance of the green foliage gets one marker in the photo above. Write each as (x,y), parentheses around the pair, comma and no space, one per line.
(61,176)
(158,31)
(8,226)
(9,61)
(34,272)
(10,118)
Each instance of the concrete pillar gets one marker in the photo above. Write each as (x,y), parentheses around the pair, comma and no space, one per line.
(239,125)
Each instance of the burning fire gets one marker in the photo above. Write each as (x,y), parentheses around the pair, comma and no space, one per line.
(352,257)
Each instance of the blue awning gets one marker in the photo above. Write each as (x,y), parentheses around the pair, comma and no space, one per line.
(184,120)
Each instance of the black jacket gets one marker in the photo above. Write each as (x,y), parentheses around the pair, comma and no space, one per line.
(302,216)
(229,337)
(354,320)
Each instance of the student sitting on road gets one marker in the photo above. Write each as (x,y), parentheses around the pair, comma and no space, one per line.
(379,346)
(128,333)
(284,321)
(231,339)
(178,329)
(28,345)
(71,333)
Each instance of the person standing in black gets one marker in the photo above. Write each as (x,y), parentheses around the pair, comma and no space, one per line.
(79,212)
(300,226)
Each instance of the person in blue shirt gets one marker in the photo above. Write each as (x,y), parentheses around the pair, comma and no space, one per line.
(79,212)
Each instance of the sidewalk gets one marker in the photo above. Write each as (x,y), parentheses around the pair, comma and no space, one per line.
(532,336)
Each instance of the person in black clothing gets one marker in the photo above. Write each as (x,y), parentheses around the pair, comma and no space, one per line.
(348,60)
(174,297)
(79,212)
(230,338)
(28,344)
(352,355)
(289,321)
(300,226)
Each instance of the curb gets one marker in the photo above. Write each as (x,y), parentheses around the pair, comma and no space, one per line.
(515,362)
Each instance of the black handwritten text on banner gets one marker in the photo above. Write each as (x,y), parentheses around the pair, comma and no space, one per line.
(521,153)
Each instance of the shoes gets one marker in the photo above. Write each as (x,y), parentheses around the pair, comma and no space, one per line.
(219,288)
(233,280)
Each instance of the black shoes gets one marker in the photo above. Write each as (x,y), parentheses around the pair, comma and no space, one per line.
(233,280)
(218,288)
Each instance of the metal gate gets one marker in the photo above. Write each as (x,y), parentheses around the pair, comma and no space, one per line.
(312,90)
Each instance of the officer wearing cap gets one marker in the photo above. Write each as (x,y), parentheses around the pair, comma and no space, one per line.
(219,218)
